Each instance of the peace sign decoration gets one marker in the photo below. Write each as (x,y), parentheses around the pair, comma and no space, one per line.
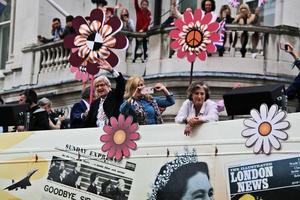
(195,36)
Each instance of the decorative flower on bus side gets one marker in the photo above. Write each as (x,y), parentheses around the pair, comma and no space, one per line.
(94,40)
(80,73)
(195,35)
(266,128)
(119,137)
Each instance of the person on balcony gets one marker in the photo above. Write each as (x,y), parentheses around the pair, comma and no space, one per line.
(80,110)
(224,18)
(141,105)
(209,6)
(198,108)
(38,116)
(68,28)
(55,119)
(108,100)
(143,18)
(128,25)
(293,91)
(56,31)
(245,17)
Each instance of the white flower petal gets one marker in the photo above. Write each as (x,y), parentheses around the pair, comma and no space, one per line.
(263,112)
(274,141)
(258,145)
(278,117)
(281,125)
(252,140)
(279,134)
(250,123)
(249,132)
(255,115)
(266,145)
(272,112)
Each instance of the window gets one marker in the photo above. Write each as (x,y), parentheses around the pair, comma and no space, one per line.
(4,34)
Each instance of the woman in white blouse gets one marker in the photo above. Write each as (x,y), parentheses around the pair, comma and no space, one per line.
(198,108)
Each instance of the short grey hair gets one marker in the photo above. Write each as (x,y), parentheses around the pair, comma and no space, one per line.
(44,101)
(104,79)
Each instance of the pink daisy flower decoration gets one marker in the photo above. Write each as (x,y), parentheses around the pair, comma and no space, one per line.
(195,35)
(262,2)
(234,3)
(119,137)
(94,40)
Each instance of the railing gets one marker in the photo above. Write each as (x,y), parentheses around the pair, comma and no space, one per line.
(54,57)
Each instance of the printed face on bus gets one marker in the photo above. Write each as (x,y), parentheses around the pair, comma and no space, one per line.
(102,89)
(198,188)
(208,6)
(22,99)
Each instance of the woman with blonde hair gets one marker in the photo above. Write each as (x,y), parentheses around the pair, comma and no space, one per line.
(245,17)
(141,105)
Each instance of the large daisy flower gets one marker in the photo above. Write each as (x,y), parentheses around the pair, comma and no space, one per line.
(93,41)
(119,137)
(266,128)
(195,35)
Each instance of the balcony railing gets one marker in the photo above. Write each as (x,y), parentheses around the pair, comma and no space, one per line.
(54,57)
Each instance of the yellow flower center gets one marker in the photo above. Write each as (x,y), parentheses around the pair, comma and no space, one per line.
(119,137)
(265,128)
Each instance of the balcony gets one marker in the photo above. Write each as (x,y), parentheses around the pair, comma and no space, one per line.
(50,72)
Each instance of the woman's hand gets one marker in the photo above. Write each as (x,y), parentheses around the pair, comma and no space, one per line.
(160,87)
(188,130)
(193,121)
(106,66)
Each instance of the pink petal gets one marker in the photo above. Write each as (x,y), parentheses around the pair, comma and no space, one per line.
(179,24)
(74,69)
(198,15)
(110,42)
(202,55)
(180,53)
(191,57)
(121,120)
(128,121)
(206,19)
(174,34)
(188,17)
(119,154)
(131,144)
(175,44)
(84,77)
(106,146)
(134,127)
(114,123)
(83,51)
(80,40)
(211,48)
(111,152)
(108,129)
(73,50)
(126,152)
(215,37)
(105,138)
(78,75)
(213,27)
(134,136)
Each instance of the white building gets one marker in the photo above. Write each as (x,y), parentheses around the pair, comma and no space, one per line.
(27,64)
